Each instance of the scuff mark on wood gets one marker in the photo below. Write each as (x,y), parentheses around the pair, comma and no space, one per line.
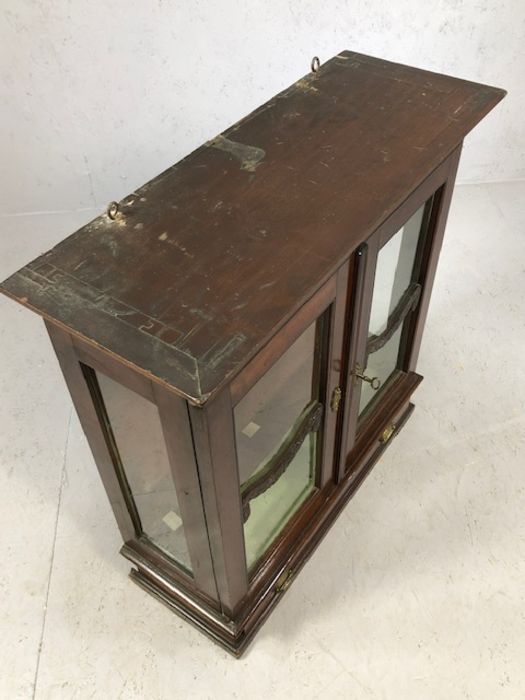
(265,286)
(112,245)
(220,351)
(175,244)
(306,84)
(201,314)
(249,156)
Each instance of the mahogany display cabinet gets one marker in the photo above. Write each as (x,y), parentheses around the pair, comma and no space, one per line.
(240,336)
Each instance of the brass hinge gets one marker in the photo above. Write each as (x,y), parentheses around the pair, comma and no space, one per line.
(336,398)
(283,582)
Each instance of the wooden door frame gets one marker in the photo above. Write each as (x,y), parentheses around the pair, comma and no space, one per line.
(214,440)
(73,353)
(439,185)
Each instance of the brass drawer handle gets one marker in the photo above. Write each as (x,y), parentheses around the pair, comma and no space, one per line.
(284,581)
(374,382)
(387,433)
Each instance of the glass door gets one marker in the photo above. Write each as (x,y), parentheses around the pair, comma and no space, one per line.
(388,277)
(395,296)
(137,433)
(270,439)
(133,430)
(279,434)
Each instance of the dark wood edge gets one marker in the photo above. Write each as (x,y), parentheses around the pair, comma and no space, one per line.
(173,586)
(112,367)
(282,340)
(100,409)
(141,549)
(408,302)
(418,273)
(175,421)
(214,444)
(320,381)
(265,477)
(433,244)
(354,350)
(198,617)
(89,420)
(334,376)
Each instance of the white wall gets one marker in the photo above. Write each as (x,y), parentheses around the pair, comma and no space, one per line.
(98,97)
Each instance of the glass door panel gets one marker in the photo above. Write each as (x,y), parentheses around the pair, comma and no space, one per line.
(381,365)
(277,438)
(135,426)
(395,262)
(395,295)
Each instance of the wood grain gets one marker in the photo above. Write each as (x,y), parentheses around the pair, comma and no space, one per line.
(203,265)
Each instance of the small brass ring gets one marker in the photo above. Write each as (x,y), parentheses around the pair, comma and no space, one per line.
(375,383)
(112,210)
(315,64)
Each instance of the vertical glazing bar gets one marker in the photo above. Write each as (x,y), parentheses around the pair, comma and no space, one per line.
(335,377)
(177,434)
(358,314)
(438,221)
(214,441)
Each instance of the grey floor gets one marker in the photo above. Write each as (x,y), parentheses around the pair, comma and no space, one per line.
(418,591)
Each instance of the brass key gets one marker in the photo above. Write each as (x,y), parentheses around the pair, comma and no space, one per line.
(374,382)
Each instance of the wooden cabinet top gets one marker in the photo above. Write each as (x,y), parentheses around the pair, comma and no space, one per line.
(204,263)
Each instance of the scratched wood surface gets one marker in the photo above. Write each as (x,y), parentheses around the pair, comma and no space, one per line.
(204,263)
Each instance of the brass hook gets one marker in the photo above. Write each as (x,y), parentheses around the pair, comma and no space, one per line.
(112,210)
